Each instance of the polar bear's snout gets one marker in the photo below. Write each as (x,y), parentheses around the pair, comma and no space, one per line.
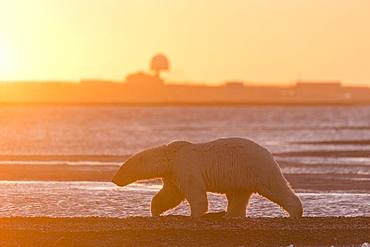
(116,181)
(122,178)
(121,181)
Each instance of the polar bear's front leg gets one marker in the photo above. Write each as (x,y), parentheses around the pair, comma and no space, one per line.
(188,178)
(198,202)
(168,197)
(237,204)
(193,189)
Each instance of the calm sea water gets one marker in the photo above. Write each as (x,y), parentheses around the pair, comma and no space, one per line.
(118,130)
(62,199)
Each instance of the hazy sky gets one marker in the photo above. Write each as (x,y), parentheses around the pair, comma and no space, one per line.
(206,40)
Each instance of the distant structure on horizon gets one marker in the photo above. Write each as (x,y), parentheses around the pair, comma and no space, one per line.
(148,88)
(159,63)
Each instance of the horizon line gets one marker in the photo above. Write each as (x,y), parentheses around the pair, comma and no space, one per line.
(193,83)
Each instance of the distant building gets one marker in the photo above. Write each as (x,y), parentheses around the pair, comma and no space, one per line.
(94,82)
(234,84)
(141,79)
(142,87)
(318,85)
(319,91)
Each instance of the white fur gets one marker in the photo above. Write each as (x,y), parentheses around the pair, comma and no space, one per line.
(233,166)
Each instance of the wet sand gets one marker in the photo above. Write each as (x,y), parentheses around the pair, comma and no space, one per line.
(335,142)
(25,172)
(101,158)
(335,154)
(184,231)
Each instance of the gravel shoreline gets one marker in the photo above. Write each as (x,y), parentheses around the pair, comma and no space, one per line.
(184,231)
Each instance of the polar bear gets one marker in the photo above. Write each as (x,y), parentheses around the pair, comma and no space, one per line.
(236,167)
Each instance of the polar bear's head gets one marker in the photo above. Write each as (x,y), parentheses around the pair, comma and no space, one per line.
(148,164)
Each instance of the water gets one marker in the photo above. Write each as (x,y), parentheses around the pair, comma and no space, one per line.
(67,199)
(124,130)
(51,133)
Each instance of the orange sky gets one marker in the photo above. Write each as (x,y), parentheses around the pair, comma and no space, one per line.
(206,41)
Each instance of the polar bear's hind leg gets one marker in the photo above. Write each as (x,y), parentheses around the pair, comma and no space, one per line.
(280,192)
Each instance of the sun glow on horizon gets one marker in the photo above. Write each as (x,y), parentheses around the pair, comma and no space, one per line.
(273,42)
(7,60)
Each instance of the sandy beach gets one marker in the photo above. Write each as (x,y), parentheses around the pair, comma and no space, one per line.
(184,231)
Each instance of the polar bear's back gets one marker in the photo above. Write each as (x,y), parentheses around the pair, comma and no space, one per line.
(231,163)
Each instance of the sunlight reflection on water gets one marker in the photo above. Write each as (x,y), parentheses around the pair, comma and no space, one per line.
(57,199)
(119,130)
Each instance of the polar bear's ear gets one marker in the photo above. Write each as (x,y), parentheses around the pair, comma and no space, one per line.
(175,146)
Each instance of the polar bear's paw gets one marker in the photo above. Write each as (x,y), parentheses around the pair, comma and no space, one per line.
(214,215)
